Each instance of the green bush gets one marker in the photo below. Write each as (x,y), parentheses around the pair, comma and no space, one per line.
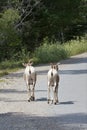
(56,52)
(50,53)
(74,47)
(2,73)
(10,64)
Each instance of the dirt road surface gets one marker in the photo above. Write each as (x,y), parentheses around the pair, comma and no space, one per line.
(16,113)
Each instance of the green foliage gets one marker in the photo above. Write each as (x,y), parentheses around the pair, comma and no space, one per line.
(23,55)
(51,18)
(10,16)
(62,15)
(74,47)
(9,38)
(46,53)
(55,52)
(2,73)
(7,21)
(9,66)
(50,53)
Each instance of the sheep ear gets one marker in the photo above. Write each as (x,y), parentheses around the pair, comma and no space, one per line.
(57,67)
(51,65)
(24,64)
(30,62)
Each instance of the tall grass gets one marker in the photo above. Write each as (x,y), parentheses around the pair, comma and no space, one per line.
(50,53)
(74,47)
(56,52)
(9,66)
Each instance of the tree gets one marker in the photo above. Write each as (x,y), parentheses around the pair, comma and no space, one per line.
(9,38)
(49,18)
(30,21)
(63,14)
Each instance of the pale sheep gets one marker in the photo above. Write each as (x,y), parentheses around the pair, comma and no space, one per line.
(30,79)
(53,82)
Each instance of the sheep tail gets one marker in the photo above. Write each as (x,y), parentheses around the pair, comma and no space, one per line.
(52,74)
(29,71)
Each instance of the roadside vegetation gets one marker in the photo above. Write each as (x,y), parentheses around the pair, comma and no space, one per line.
(46,53)
(55,52)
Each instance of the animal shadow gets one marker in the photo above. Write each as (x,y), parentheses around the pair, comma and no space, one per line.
(66,103)
(41,99)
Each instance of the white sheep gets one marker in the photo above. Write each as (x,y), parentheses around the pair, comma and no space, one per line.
(30,79)
(53,81)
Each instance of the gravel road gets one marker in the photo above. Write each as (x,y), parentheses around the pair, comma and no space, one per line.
(16,113)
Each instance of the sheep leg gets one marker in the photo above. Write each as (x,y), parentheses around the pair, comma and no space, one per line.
(56,94)
(48,94)
(33,87)
(52,94)
(29,93)
(33,93)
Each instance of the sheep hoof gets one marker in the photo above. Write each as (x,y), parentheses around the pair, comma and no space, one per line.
(52,102)
(48,101)
(55,103)
(28,100)
(32,98)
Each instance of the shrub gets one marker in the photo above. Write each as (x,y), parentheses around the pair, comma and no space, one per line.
(50,53)
(56,52)
(74,47)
